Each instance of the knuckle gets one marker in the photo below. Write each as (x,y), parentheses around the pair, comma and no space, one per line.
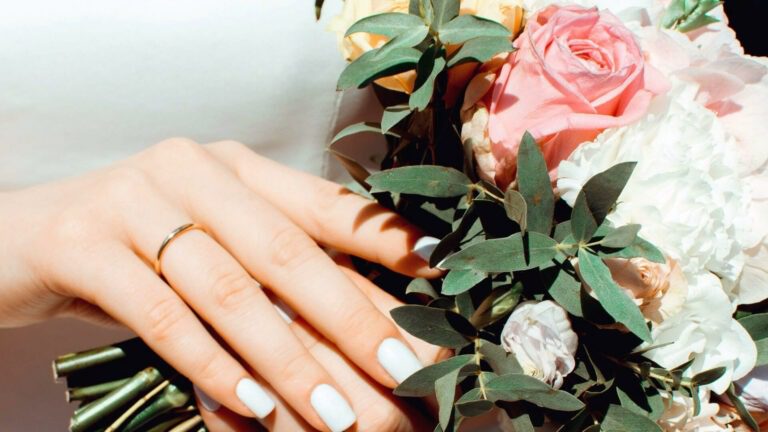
(292,367)
(330,199)
(366,324)
(126,182)
(227,146)
(291,248)
(231,288)
(163,317)
(210,367)
(172,150)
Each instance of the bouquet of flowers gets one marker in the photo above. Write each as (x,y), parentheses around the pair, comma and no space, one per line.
(593,170)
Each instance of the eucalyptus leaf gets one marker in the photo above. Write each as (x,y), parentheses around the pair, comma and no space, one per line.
(393,115)
(466,27)
(422,383)
(516,208)
(500,360)
(480,50)
(744,413)
(638,249)
(318,8)
(355,170)
(428,69)
(517,387)
(437,326)
(426,180)
(498,304)
(615,301)
(370,66)
(445,11)
(474,408)
(513,253)
(708,376)
(603,189)
(421,286)
(756,325)
(620,419)
(535,186)
(621,237)
(640,397)
(389,24)
(357,128)
(445,389)
(407,39)
(583,223)
(459,281)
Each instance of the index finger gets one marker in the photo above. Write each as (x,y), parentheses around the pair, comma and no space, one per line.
(332,214)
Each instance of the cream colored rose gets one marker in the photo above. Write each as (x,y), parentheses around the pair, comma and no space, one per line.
(507,12)
(658,289)
(540,337)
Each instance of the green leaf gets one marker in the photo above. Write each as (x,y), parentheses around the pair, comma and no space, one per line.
(744,413)
(421,286)
(516,208)
(640,397)
(357,128)
(517,387)
(621,237)
(445,11)
(708,376)
(424,9)
(428,69)
(513,253)
(583,224)
(604,189)
(535,186)
(445,389)
(318,8)
(422,383)
(355,170)
(466,27)
(473,408)
(437,326)
(620,419)
(393,115)
(370,66)
(480,49)
(501,361)
(756,325)
(615,301)
(639,248)
(459,281)
(389,24)
(409,38)
(498,304)
(575,423)
(426,180)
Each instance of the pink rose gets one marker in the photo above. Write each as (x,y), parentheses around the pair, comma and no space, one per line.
(576,72)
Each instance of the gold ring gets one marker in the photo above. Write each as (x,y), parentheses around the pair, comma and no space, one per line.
(170,237)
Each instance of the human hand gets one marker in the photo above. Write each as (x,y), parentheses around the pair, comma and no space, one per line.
(85,246)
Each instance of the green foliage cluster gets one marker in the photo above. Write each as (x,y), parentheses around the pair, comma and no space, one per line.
(501,248)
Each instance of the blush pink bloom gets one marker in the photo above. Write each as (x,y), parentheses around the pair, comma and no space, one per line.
(576,72)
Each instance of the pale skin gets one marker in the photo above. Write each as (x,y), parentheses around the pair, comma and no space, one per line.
(86,247)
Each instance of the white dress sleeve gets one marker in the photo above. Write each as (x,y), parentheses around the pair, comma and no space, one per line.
(87,82)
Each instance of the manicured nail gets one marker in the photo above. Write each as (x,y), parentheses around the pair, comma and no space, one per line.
(254,397)
(285,312)
(397,359)
(425,246)
(206,401)
(332,408)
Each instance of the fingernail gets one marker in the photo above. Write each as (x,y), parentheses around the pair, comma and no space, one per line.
(332,408)
(254,397)
(425,246)
(206,401)
(397,359)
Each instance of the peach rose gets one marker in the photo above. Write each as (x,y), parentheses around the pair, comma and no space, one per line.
(576,72)
(658,289)
(507,12)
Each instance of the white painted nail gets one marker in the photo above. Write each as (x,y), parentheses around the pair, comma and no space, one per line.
(425,246)
(206,401)
(332,408)
(397,359)
(254,397)
(285,312)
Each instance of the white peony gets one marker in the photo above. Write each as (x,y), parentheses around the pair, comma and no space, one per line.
(685,191)
(539,335)
(679,415)
(705,330)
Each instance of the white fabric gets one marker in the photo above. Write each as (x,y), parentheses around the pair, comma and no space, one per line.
(87,82)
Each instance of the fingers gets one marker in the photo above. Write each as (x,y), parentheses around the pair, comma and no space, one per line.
(328,212)
(125,288)
(227,298)
(284,258)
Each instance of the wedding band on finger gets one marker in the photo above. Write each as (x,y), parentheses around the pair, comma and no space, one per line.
(173,235)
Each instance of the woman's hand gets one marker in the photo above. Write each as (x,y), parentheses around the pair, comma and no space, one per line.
(87,246)
(378,409)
